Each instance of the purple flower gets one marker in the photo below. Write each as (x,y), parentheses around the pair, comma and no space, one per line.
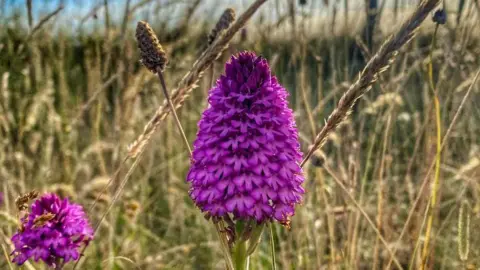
(1,198)
(246,156)
(54,230)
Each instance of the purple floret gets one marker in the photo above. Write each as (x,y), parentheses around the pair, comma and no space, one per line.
(246,156)
(56,239)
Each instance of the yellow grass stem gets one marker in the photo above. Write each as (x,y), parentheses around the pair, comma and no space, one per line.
(436,180)
(417,243)
(330,217)
(363,183)
(380,191)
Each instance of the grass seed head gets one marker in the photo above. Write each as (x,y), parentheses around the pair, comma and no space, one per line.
(223,23)
(152,54)
(440,16)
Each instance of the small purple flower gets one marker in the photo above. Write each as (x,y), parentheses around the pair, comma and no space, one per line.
(53,231)
(1,198)
(246,156)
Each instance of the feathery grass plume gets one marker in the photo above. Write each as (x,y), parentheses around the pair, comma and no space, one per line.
(378,63)
(53,232)
(223,23)
(151,52)
(189,81)
(463,236)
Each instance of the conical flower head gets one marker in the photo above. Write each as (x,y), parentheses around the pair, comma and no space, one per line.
(246,156)
(54,230)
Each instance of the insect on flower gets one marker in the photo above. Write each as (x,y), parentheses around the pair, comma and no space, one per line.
(42,219)
(22,201)
(53,230)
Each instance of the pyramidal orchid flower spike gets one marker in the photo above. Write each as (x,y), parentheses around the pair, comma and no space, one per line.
(53,231)
(246,156)
(245,163)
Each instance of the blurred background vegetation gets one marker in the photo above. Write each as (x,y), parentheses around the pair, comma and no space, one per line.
(73,96)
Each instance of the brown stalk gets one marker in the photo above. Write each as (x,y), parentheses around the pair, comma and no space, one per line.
(44,20)
(378,63)
(172,108)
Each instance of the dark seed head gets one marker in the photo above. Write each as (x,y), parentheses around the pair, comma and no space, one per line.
(440,16)
(151,52)
(223,23)
(243,34)
(317,159)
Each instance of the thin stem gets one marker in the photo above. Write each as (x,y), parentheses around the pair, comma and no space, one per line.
(363,183)
(225,248)
(43,21)
(380,193)
(369,220)
(436,181)
(330,218)
(272,247)
(223,241)
(172,109)
(417,244)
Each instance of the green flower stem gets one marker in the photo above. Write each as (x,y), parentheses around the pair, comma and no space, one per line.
(255,238)
(240,255)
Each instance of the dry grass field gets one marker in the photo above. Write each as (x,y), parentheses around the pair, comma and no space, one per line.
(395,184)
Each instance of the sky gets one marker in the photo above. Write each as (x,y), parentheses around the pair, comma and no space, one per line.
(76,10)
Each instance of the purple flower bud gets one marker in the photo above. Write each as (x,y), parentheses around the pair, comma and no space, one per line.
(246,156)
(54,230)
